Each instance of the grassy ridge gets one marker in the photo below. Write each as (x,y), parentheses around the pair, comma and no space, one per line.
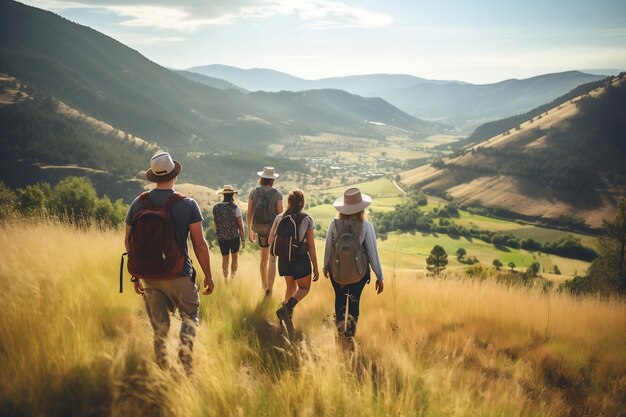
(71,345)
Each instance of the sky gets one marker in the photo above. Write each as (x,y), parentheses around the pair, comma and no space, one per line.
(477,41)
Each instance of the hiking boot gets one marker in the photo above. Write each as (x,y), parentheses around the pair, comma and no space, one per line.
(284,318)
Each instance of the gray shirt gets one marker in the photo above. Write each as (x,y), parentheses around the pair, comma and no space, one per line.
(274,197)
(183,213)
(367,237)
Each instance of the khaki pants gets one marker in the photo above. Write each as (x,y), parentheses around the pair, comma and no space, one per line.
(162,297)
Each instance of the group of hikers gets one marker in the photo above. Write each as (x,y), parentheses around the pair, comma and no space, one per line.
(159,222)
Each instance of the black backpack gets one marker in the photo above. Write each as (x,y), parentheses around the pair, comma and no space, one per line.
(262,214)
(286,242)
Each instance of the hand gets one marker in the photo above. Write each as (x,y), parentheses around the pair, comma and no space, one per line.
(138,287)
(316,274)
(243,243)
(326,273)
(252,236)
(379,286)
(208,286)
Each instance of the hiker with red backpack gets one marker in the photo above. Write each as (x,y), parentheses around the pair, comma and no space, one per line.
(157,226)
(229,230)
(292,241)
(349,252)
(264,204)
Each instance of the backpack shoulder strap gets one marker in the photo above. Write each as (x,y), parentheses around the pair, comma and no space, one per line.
(175,198)
(145,199)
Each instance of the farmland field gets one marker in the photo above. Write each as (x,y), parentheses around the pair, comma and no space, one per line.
(410,250)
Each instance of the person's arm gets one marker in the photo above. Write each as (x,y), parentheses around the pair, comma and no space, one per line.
(201,249)
(372,253)
(137,283)
(242,233)
(249,214)
(327,248)
(279,206)
(127,237)
(270,238)
(310,243)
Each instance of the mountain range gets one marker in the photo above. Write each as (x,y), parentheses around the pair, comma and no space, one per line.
(214,130)
(460,104)
(561,164)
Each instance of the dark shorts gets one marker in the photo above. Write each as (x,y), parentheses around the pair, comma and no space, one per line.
(263,241)
(298,268)
(229,245)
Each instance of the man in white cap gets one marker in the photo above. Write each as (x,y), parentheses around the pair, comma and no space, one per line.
(180,291)
(264,204)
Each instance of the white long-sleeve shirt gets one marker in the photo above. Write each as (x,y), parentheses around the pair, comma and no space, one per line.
(367,236)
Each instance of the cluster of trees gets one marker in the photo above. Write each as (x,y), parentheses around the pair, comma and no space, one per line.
(33,130)
(408,217)
(607,273)
(73,199)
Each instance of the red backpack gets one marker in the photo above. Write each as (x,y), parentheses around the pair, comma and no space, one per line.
(153,251)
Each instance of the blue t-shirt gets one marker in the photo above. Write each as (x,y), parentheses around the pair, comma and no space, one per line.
(183,213)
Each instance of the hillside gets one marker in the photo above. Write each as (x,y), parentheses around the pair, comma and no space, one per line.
(461,104)
(215,132)
(568,161)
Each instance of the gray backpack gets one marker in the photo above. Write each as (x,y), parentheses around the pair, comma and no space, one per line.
(348,258)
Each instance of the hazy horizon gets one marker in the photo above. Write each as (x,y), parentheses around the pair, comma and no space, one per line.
(482,42)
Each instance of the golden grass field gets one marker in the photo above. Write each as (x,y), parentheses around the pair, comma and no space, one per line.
(70,344)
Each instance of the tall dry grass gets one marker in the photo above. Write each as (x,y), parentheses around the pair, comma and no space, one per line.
(71,345)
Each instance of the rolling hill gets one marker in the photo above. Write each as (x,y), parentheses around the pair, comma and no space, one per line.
(214,131)
(565,163)
(461,104)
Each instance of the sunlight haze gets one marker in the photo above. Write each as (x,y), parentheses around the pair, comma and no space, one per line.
(478,42)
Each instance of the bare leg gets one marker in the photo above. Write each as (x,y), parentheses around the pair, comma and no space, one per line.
(271,272)
(304,285)
(265,253)
(225,266)
(234,264)
(291,288)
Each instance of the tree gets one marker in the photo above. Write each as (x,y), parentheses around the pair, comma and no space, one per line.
(497,264)
(608,271)
(437,260)
(533,269)
(460,253)
(511,265)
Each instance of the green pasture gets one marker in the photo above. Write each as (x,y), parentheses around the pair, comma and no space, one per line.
(381,187)
(409,251)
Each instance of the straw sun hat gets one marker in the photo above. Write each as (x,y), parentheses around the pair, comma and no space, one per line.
(228,189)
(352,201)
(268,172)
(162,168)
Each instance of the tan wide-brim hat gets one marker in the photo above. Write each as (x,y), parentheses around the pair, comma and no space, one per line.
(352,201)
(163,168)
(228,189)
(268,172)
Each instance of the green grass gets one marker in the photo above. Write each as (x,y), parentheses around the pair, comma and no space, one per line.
(413,249)
(381,187)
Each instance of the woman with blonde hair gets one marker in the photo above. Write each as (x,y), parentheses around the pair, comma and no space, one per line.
(350,251)
(295,264)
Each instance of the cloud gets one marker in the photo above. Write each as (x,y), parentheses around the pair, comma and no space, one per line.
(191,15)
